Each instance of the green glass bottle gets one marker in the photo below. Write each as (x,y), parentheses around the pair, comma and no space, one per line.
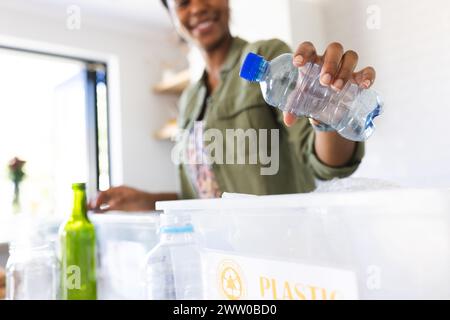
(78,254)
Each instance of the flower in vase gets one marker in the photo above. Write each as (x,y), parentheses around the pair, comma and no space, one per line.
(16,174)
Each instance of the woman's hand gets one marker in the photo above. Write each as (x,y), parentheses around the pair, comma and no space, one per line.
(128,199)
(123,199)
(338,67)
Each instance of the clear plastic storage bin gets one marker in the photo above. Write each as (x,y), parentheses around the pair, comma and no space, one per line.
(392,244)
(123,241)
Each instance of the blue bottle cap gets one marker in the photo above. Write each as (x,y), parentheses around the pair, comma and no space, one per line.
(253,67)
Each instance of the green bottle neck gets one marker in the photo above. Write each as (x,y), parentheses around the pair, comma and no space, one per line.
(79,210)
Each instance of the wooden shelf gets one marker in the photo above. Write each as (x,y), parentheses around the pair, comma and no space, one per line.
(175,85)
(168,131)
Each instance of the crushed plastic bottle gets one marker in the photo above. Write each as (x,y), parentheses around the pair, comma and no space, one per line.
(349,111)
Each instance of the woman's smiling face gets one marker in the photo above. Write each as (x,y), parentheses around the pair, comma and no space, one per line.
(204,22)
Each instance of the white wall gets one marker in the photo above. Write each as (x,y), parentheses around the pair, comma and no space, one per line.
(254,20)
(135,57)
(264,19)
(307,23)
(410,54)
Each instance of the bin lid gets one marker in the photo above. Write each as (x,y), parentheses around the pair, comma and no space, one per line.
(402,198)
(121,217)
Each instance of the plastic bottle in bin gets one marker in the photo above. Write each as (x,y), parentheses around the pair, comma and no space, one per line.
(172,270)
(349,111)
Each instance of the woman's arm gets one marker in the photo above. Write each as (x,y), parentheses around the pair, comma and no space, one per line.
(128,199)
(332,149)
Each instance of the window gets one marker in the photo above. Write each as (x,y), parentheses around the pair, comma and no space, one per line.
(54,116)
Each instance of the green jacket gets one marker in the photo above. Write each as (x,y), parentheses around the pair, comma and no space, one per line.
(237,103)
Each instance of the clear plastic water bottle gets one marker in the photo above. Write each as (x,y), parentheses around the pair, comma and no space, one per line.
(172,269)
(349,111)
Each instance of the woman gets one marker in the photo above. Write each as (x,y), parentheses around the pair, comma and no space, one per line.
(221,100)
